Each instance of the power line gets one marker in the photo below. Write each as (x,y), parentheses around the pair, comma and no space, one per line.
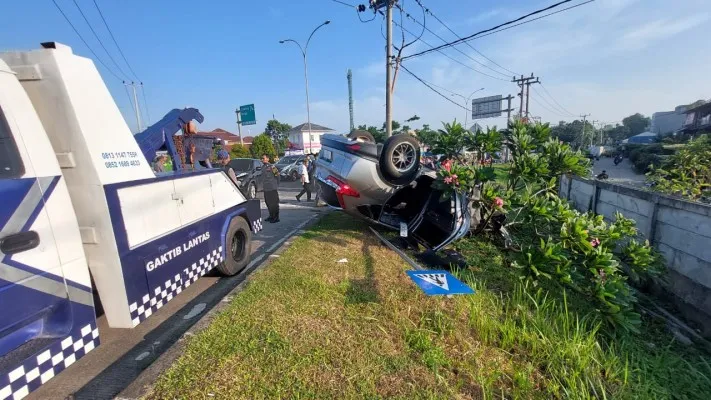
(546,108)
(555,101)
(467,43)
(116,42)
(98,39)
(84,41)
(433,89)
(455,48)
(504,26)
(343,3)
(556,110)
(450,57)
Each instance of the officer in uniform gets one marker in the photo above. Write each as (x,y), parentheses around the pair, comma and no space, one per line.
(270,183)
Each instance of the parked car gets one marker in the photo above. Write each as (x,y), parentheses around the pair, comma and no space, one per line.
(288,166)
(248,171)
(386,185)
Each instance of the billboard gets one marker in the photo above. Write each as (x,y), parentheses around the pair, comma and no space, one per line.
(486,107)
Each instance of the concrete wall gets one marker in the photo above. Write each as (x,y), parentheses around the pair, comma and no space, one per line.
(679,229)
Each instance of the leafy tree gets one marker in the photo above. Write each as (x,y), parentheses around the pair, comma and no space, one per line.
(426,135)
(276,128)
(239,151)
(262,144)
(687,173)
(395,126)
(636,123)
(619,133)
(573,133)
(452,141)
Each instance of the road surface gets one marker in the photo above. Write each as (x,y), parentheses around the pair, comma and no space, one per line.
(622,173)
(125,353)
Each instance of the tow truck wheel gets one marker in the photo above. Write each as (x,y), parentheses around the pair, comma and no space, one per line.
(239,247)
(400,159)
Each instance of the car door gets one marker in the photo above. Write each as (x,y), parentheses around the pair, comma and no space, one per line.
(33,292)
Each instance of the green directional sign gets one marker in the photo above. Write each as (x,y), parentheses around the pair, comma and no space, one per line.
(247,115)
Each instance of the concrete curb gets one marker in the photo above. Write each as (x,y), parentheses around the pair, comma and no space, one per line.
(143,384)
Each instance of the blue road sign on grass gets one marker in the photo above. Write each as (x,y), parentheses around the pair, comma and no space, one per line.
(435,283)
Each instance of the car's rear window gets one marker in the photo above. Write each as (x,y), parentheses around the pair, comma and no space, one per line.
(241,164)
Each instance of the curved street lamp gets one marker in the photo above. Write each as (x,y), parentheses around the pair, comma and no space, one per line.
(466,104)
(306,75)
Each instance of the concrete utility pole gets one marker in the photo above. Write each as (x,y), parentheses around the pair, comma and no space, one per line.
(350,97)
(306,77)
(524,82)
(584,116)
(136,108)
(388,71)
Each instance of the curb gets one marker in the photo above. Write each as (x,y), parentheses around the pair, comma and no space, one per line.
(143,384)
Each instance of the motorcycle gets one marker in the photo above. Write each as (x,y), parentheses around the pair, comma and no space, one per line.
(618,159)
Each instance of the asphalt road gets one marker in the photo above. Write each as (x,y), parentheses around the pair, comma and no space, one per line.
(125,353)
(623,173)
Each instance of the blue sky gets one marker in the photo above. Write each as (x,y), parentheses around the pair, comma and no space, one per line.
(609,58)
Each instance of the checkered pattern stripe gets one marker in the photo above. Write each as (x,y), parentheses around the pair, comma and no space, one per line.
(37,370)
(152,302)
(257,225)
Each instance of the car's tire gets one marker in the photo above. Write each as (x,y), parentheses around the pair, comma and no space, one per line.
(294,175)
(400,159)
(238,247)
(361,136)
(252,191)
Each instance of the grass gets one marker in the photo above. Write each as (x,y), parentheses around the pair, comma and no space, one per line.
(310,327)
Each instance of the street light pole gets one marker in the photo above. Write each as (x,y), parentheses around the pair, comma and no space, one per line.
(306,77)
(467,100)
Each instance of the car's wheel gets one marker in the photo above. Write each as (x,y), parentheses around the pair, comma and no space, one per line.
(361,136)
(238,250)
(400,159)
(294,175)
(252,191)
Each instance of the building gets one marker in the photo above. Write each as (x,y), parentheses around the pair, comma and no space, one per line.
(228,139)
(300,141)
(698,119)
(667,122)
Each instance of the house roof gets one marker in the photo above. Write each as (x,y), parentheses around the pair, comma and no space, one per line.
(220,134)
(305,128)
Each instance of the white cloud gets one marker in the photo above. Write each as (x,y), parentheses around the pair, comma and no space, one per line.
(644,35)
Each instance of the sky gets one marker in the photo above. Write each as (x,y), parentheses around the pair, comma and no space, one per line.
(608,58)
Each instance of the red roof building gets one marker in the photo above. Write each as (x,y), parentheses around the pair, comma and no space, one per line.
(228,139)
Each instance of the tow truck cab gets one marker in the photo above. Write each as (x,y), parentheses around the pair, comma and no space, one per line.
(82,212)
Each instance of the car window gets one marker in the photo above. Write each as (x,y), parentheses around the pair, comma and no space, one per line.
(287,160)
(326,155)
(257,164)
(241,164)
(10,162)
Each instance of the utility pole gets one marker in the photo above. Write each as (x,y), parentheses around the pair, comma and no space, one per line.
(524,82)
(135,106)
(350,97)
(584,116)
(388,71)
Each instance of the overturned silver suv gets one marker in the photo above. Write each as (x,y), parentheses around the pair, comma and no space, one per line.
(385,184)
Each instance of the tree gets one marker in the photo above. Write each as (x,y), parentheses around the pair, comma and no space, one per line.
(277,131)
(378,135)
(573,133)
(262,144)
(619,133)
(395,126)
(239,151)
(636,123)
(426,135)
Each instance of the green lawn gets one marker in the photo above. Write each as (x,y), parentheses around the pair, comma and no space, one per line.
(309,327)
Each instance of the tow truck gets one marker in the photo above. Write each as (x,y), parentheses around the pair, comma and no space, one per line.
(85,222)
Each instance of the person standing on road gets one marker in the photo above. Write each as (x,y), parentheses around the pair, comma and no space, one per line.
(305,182)
(223,158)
(270,183)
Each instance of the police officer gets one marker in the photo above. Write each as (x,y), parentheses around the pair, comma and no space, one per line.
(270,183)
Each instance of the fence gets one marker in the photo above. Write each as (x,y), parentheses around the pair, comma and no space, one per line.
(679,229)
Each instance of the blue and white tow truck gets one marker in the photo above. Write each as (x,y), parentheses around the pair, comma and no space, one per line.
(83,217)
